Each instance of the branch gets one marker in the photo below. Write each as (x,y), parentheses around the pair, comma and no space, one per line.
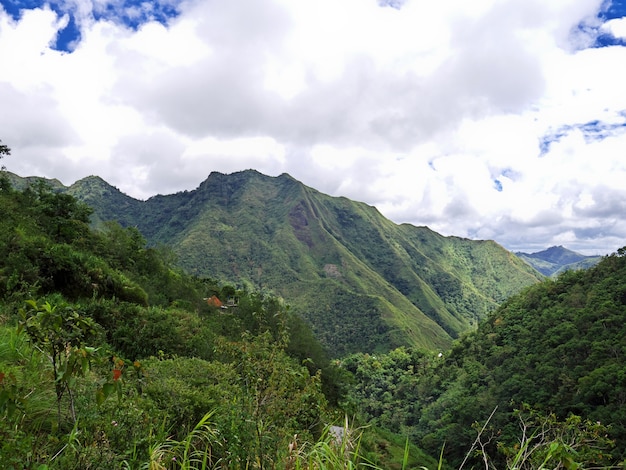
(477,440)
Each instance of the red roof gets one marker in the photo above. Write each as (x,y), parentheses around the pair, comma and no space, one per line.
(213,301)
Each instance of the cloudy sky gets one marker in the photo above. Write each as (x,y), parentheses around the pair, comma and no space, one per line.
(490,119)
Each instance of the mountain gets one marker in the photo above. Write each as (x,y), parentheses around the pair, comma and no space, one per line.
(20,183)
(556,259)
(558,347)
(363,282)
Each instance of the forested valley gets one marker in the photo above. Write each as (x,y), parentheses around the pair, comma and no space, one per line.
(111,356)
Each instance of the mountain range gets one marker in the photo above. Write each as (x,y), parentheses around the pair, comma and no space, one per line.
(363,282)
(557,259)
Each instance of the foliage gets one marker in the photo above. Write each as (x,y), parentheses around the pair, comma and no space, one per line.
(199,449)
(547,442)
(126,377)
(277,399)
(558,346)
(62,334)
(4,151)
(111,356)
(389,389)
(338,263)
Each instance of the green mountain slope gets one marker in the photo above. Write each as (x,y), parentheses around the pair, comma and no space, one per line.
(558,347)
(21,183)
(557,259)
(363,282)
(100,336)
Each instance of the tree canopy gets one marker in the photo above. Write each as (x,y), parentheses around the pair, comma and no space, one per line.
(557,347)
(117,344)
(4,151)
(112,356)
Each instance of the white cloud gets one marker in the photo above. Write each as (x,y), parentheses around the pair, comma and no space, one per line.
(616,27)
(436,112)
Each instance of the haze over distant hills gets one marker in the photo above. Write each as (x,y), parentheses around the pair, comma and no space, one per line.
(556,259)
(363,282)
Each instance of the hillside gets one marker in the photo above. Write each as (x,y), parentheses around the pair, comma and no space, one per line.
(102,338)
(558,347)
(555,351)
(557,259)
(111,357)
(363,282)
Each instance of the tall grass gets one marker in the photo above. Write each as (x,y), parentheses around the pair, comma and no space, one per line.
(337,448)
(14,346)
(195,451)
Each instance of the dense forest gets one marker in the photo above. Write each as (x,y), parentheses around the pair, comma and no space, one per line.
(362,282)
(111,356)
(549,364)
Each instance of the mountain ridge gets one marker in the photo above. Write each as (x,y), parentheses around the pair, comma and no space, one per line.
(556,259)
(363,282)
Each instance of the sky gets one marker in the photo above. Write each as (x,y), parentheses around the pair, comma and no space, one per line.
(491,119)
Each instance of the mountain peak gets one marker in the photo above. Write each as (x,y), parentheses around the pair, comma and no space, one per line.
(556,259)
(21,183)
(557,254)
(361,281)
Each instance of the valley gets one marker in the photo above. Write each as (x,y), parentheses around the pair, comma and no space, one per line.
(430,350)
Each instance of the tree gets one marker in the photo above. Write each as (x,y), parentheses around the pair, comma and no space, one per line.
(4,181)
(547,442)
(4,150)
(62,334)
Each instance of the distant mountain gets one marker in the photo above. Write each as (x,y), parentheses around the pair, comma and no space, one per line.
(363,282)
(556,259)
(22,183)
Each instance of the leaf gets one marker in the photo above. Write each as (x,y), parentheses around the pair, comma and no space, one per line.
(118,388)
(84,364)
(107,389)
(100,396)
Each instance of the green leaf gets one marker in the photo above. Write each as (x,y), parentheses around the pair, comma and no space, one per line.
(108,388)
(84,362)
(100,396)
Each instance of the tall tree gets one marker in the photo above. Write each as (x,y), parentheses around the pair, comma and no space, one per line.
(4,181)
(4,150)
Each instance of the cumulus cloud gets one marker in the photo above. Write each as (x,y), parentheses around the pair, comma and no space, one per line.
(616,27)
(495,119)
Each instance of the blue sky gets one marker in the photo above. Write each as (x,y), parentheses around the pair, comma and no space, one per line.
(133,14)
(613,10)
(501,120)
(130,14)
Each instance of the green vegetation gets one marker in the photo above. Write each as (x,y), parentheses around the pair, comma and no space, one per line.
(549,361)
(335,261)
(111,356)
